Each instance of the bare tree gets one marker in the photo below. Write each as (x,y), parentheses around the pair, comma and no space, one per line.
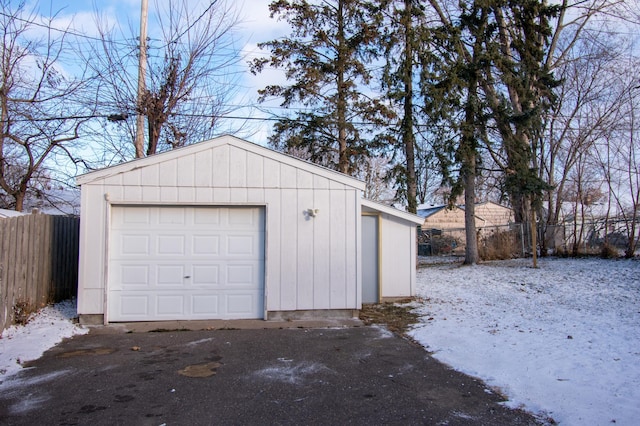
(40,108)
(586,55)
(619,160)
(191,78)
(375,173)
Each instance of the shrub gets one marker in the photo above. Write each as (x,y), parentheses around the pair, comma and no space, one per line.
(21,312)
(498,246)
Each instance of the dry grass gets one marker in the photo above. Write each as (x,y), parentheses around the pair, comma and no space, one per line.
(498,246)
(397,317)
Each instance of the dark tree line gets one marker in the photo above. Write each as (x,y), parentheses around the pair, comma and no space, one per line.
(475,69)
(518,100)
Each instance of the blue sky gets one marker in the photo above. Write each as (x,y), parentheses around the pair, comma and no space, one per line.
(255,26)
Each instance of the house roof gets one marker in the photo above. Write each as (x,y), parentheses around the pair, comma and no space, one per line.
(215,142)
(4,213)
(392,211)
(426,212)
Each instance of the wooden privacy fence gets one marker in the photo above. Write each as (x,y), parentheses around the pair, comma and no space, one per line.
(38,264)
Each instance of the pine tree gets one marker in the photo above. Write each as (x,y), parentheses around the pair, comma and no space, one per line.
(326,59)
(404,42)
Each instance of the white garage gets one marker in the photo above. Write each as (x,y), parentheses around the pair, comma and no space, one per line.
(222,229)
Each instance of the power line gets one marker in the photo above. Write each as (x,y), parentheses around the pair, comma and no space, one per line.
(52,28)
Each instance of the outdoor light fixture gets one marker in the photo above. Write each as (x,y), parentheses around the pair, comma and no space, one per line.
(312,212)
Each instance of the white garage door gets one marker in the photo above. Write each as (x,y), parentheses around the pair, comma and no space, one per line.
(169,263)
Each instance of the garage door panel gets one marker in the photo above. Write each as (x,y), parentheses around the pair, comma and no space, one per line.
(134,244)
(170,245)
(241,304)
(205,305)
(206,245)
(186,263)
(133,306)
(134,276)
(241,274)
(239,218)
(171,216)
(242,245)
(206,216)
(169,305)
(205,275)
(134,215)
(171,275)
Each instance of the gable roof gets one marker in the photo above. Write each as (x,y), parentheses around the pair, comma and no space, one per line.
(213,143)
(425,213)
(392,211)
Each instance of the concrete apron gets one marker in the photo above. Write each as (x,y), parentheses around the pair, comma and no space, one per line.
(193,325)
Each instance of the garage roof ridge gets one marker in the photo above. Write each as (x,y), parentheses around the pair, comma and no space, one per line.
(218,141)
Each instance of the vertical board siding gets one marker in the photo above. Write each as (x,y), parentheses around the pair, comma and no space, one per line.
(237,168)
(305,255)
(321,250)
(204,169)
(288,249)
(92,249)
(186,167)
(338,255)
(273,243)
(132,178)
(150,175)
(38,262)
(288,176)
(221,167)
(168,171)
(352,292)
(255,171)
(271,173)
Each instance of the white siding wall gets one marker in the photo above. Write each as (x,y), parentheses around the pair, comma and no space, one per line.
(398,263)
(311,263)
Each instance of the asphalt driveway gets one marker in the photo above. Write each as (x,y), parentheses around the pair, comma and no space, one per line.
(354,375)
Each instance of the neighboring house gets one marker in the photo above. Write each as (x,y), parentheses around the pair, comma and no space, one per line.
(442,217)
(487,214)
(493,214)
(4,213)
(59,202)
(227,229)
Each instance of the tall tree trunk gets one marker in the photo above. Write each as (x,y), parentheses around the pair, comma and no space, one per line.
(468,171)
(408,137)
(341,107)
(471,256)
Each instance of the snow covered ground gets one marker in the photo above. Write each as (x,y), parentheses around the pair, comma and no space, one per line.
(44,330)
(562,340)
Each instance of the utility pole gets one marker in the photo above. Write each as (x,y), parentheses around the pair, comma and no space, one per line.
(142,71)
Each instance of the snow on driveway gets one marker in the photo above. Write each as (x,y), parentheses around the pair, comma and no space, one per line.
(562,340)
(44,330)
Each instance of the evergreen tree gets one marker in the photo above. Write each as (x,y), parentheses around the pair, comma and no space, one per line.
(405,41)
(455,99)
(327,60)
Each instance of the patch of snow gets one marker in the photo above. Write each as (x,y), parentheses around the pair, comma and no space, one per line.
(562,340)
(44,329)
(292,373)
(197,342)
(384,333)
